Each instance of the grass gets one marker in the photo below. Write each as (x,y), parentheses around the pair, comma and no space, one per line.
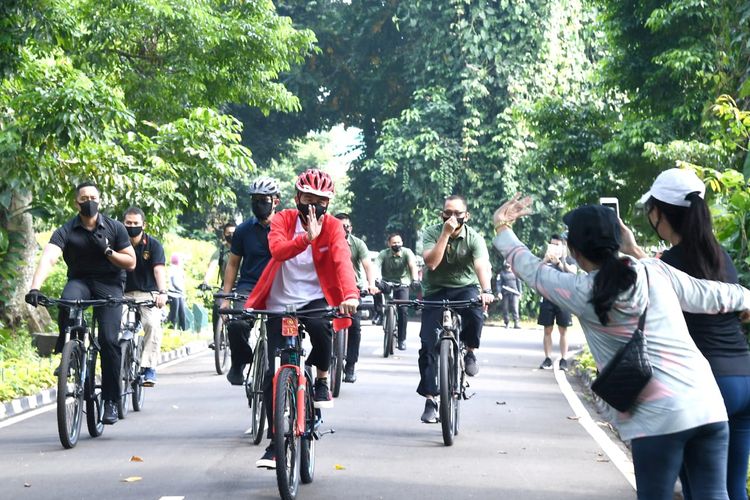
(24,373)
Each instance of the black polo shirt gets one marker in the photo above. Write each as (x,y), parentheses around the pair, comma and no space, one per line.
(250,241)
(84,259)
(149,253)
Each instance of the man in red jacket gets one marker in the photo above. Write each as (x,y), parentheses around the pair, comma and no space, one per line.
(310,268)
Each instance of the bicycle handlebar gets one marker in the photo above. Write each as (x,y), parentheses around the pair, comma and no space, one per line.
(442,304)
(231,295)
(82,303)
(325,312)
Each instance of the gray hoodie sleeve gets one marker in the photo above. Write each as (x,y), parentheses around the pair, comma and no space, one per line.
(557,286)
(702,296)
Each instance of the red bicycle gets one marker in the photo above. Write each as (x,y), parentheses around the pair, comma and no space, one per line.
(296,421)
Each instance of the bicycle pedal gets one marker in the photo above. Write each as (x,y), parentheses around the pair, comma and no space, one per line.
(467,396)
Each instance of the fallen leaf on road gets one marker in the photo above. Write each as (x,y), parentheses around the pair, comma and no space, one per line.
(574,417)
(502,452)
(602,460)
(131,479)
(175,407)
(136,458)
(500,402)
(339,467)
(27,485)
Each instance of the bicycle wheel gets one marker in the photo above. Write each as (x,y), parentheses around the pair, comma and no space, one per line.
(70,394)
(221,346)
(389,329)
(286,440)
(337,361)
(126,351)
(255,391)
(447,390)
(94,402)
(139,395)
(307,461)
(394,328)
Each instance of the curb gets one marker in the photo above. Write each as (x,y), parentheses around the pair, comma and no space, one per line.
(46,397)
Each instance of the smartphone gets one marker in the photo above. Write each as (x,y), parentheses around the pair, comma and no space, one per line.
(611,203)
(554,250)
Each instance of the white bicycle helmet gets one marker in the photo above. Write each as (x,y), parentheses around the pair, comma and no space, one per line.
(265,186)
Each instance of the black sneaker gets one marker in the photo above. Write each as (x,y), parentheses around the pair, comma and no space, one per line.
(563,364)
(321,395)
(430,413)
(268,460)
(470,364)
(350,375)
(546,364)
(516,326)
(110,413)
(235,375)
(401,345)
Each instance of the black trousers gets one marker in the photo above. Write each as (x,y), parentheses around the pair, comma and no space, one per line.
(238,333)
(319,332)
(107,318)
(432,322)
(354,338)
(402,314)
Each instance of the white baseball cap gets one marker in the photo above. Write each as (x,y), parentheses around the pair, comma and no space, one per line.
(673,186)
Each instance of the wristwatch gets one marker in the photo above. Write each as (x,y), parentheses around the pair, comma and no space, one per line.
(487,290)
(162,292)
(108,252)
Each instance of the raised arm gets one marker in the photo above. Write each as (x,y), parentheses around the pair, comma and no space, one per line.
(703,296)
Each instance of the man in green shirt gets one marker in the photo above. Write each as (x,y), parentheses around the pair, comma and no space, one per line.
(457,267)
(365,281)
(399,265)
(217,265)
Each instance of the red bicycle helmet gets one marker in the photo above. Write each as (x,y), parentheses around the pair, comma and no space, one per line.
(316,182)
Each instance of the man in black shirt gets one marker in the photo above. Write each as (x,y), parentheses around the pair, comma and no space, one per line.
(147,281)
(96,250)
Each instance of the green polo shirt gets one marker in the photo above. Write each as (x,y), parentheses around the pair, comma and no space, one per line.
(456,270)
(359,252)
(395,268)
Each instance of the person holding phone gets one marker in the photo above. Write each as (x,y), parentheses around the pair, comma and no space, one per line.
(550,313)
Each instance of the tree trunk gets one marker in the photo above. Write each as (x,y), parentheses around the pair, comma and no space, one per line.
(22,255)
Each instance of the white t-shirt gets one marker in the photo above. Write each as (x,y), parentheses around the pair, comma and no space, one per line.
(296,283)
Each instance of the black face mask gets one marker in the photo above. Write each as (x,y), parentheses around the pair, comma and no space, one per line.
(89,208)
(134,231)
(228,238)
(304,210)
(396,248)
(262,209)
(460,220)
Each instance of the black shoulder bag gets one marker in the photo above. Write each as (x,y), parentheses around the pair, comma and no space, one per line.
(627,373)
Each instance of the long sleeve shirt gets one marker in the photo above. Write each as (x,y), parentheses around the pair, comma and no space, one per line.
(682,393)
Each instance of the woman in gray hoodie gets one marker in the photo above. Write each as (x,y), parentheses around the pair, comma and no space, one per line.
(680,414)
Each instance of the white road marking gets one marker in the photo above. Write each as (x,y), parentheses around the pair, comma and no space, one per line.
(615,454)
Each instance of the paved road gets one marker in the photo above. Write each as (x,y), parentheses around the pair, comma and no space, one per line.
(517,439)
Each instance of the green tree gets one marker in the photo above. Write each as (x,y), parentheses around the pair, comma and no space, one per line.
(128,94)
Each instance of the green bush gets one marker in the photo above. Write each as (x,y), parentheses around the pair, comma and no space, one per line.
(586,361)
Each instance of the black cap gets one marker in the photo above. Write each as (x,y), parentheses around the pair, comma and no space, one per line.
(593,227)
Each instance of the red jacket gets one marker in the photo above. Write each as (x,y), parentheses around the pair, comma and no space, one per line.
(331,257)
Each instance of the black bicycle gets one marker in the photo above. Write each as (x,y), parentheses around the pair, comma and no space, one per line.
(76,382)
(296,421)
(221,341)
(390,315)
(131,348)
(254,383)
(451,375)
(338,354)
